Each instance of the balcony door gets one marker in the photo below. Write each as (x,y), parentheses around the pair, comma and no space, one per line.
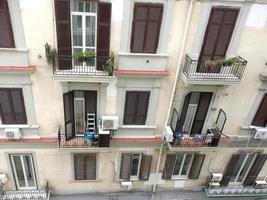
(217,37)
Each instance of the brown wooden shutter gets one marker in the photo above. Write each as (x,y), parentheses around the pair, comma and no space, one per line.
(125,171)
(146,27)
(196,166)
(79,167)
(12,108)
(260,118)
(202,110)
(6,33)
(255,169)
(63,24)
(184,111)
(68,100)
(169,164)
(103,33)
(90,160)
(141,108)
(230,169)
(145,167)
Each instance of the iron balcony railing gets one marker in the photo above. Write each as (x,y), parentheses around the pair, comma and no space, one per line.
(95,66)
(203,69)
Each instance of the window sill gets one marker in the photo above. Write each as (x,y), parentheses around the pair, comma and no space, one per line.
(26,126)
(179,178)
(13,49)
(142,54)
(85,181)
(137,127)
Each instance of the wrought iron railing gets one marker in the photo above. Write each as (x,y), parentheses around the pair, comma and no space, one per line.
(196,141)
(76,142)
(201,69)
(95,66)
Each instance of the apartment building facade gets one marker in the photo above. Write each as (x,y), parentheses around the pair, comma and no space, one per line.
(95,123)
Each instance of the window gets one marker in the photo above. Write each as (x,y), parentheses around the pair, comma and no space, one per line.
(12,108)
(182,165)
(85,166)
(260,118)
(6,33)
(23,170)
(136,107)
(146,27)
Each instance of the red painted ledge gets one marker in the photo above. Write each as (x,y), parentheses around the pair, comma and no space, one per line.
(157,139)
(17,68)
(41,140)
(141,72)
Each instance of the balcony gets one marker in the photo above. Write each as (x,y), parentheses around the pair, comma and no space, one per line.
(212,73)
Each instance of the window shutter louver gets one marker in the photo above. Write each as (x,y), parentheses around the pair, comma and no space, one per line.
(68,100)
(90,160)
(103,33)
(145,167)
(255,170)
(230,169)
(169,164)
(260,118)
(18,106)
(63,24)
(6,32)
(184,111)
(125,170)
(79,167)
(196,166)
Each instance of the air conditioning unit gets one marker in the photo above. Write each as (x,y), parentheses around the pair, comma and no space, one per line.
(110,122)
(127,185)
(3,178)
(214,185)
(168,134)
(260,133)
(216,177)
(260,184)
(12,133)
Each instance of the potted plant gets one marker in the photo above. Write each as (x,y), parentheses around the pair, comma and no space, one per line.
(50,54)
(109,65)
(227,64)
(87,56)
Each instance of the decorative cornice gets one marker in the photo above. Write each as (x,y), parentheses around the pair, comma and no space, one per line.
(17,69)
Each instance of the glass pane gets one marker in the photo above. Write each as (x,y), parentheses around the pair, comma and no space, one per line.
(77,30)
(245,168)
(135,164)
(90,31)
(79,115)
(90,6)
(178,164)
(29,171)
(77,6)
(237,167)
(186,165)
(19,171)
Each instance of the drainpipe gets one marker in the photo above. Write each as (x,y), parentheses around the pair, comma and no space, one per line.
(188,17)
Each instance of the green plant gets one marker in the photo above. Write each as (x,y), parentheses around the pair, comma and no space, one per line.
(50,54)
(83,56)
(220,62)
(109,65)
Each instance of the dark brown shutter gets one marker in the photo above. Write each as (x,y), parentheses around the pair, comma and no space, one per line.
(184,111)
(90,160)
(230,169)
(145,167)
(12,108)
(146,27)
(68,100)
(79,167)
(260,118)
(125,171)
(136,107)
(202,110)
(169,164)
(103,33)
(196,166)
(255,169)
(90,103)
(6,33)
(62,12)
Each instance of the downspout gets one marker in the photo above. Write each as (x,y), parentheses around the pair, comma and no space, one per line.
(188,17)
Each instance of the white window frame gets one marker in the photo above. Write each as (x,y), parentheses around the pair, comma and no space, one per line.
(182,166)
(24,171)
(83,100)
(138,169)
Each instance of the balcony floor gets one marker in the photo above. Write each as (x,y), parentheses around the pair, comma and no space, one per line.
(82,70)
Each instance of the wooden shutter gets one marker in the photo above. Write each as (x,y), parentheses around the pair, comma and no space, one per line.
(184,111)
(196,166)
(90,160)
(125,171)
(6,33)
(79,167)
(136,107)
(146,27)
(202,110)
(230,169)
(103,33)
(260,118)
(12,108)
(63,24)
(68,100)
(145,167)
(255,170)
(90,103)
(169,164)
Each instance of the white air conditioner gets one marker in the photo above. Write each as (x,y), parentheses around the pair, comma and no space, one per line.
(216,177)
(127,185)
(110,122)
(260,184)
(260,133)
(12,133)
(214,185)
(168,134)
(3,178)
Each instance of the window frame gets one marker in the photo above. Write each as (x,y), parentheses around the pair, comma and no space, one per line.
(178,176)
(135,177)
(74,112)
